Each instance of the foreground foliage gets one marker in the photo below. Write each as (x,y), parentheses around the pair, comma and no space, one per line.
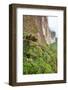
(38,59)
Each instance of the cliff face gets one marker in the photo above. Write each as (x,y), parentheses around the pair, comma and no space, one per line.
(38,27)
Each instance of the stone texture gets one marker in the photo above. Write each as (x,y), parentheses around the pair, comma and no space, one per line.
(38,27)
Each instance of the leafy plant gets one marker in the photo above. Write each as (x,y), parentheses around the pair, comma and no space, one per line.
(39,59)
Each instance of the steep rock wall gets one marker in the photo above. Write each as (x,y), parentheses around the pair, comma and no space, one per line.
(38,27)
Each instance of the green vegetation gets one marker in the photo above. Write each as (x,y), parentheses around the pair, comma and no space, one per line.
(39,59)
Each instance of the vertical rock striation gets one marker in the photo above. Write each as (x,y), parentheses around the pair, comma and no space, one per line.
(38,26)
